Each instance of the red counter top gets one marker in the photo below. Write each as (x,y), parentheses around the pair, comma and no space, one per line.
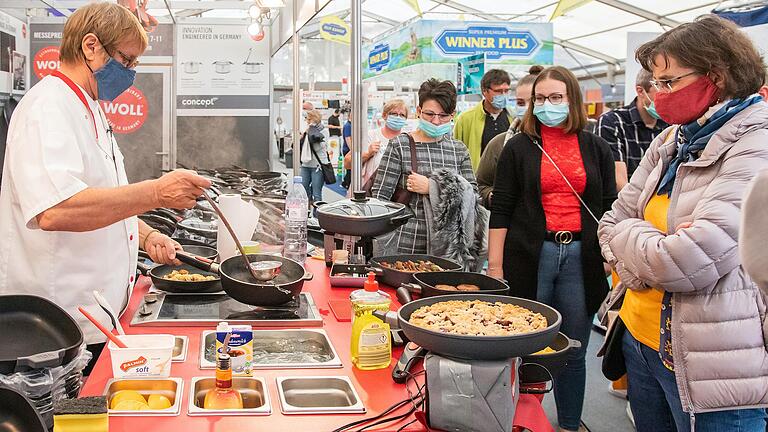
(376,388)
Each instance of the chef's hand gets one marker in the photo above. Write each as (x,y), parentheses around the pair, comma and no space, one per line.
(417,183)
(179,189)
(161,249)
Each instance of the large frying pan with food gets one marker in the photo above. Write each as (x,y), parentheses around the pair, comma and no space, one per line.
(477,347)
(238,283)
(159,273)
(428,284)
(386,267)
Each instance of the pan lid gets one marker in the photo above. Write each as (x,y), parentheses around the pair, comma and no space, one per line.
(200,222)
(361,207)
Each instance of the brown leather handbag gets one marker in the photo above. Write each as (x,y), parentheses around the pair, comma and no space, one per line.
(403,195)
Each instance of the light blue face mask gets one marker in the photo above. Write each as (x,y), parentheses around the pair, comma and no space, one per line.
(499,101)
(652,108)
(520,111)
(395,123)
(432,130)
(113,79)
(550,114)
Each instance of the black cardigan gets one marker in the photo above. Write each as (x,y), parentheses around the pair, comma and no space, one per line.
(516,206)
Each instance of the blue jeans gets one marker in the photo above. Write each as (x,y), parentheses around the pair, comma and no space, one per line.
(561,285)
(655,401)
(313,181)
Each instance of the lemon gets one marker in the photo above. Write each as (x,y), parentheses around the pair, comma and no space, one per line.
(131,405)
(159,402)
(125,395)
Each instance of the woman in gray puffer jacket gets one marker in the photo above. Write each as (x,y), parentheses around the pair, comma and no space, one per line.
(695,342)
(311,173)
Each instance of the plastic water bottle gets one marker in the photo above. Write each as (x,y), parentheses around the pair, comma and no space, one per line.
(296,209)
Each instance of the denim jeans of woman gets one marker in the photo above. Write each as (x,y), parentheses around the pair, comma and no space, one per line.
(655,401)
(561,285)
(313,181)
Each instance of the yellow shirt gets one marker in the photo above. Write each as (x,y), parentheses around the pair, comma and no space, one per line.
(641,311)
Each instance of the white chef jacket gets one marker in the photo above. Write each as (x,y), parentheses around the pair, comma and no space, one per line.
(52,154)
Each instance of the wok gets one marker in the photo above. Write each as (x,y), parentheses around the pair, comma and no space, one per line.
(17,413)
(239,284)
(426,282)
(395,278)
(158,272)
(476,347)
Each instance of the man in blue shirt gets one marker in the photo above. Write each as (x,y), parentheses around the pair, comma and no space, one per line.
(347,137)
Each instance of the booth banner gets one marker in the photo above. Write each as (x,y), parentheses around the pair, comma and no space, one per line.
(128,112)
(14,54)
(220,70)
(469,73)
(334,29)
(436,41)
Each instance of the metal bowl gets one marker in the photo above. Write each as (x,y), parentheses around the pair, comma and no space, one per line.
(266,270)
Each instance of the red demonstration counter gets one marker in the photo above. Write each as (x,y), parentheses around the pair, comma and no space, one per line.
(375,388)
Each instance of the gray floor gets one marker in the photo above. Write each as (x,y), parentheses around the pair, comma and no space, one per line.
(603,412)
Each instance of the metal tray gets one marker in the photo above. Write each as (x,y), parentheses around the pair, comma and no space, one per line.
(180,348)
(348,281)
(318,395)
(172,388)
(321,355)
(254,391)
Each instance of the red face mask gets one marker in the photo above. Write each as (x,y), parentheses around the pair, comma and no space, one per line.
(689,103)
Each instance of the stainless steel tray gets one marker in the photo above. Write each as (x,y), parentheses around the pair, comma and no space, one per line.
(313,345)
(341,275)
(172,388)
(252,389)
(318,395)
(180,348)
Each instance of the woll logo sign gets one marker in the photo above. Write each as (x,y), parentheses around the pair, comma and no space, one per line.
(46,61)
(128,112)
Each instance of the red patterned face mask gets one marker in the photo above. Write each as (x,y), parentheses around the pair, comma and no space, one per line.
(689,103)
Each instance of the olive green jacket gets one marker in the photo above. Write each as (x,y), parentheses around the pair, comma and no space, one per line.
(486,171)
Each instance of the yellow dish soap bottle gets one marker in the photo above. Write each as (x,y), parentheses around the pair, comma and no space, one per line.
(371,343)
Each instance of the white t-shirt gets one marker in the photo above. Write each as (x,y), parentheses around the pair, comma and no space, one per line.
(52,154)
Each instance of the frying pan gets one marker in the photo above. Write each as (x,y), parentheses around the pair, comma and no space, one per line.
(426,282)
(38,334)
(18,413)
(395,278)
(539,368)
(476,347)
(239,284)
(157,272)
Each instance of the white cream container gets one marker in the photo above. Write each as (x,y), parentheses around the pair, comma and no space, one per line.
(147,355)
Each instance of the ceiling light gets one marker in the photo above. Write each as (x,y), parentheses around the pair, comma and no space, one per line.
(254,29)
(270,3)
(254,11)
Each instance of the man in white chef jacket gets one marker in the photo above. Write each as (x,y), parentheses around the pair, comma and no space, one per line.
(68,222)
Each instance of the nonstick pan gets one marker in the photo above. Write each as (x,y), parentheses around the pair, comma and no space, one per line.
(158,272)
(425,283)
(395,278)
(17,413)
(540,368)
(38,334)
(477,347)
(239,284)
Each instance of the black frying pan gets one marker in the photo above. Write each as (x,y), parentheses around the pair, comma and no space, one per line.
(240,285)
(395,278)
(540,368)
(477,347)
(426,282)
(18,414)
(158,272)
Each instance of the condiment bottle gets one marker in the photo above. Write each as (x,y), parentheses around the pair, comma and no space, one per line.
(371,344)
(223,396)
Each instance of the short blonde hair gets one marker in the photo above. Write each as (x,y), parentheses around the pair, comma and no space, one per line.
(314,116)
(394,104)
(110,22)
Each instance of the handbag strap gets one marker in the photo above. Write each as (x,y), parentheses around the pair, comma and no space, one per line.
(312,149)
(535,141)
(412,147)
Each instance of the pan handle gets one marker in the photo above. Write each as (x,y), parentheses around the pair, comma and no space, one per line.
(400,220)
(412,288)
(196,261)
(403,295)
(378,271)
(388,317)
(42,360)
(411,354)
(308,276)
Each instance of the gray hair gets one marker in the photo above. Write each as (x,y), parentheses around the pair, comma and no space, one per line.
(644,79)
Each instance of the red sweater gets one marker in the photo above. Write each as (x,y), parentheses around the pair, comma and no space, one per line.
(561,208)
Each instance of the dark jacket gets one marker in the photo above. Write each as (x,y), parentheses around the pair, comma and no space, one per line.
(486,171)
(517,207)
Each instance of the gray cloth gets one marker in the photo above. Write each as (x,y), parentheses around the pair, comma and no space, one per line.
(719,331)
(754,231)
(457,225)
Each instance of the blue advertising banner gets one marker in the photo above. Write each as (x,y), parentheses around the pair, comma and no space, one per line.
(469,73)
(378,58)
(495,42)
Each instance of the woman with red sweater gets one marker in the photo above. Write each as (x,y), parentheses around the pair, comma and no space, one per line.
(543,236)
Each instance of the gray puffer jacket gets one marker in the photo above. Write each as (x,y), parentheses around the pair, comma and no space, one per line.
(718,316)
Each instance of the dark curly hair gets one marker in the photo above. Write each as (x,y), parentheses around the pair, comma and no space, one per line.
(442,92)
(710,44)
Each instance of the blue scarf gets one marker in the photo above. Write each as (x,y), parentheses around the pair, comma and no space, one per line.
(693,137)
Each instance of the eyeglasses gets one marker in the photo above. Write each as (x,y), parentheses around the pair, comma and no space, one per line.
(405,116)
(666,84)
(554,99)
(127,61)
(429,116)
